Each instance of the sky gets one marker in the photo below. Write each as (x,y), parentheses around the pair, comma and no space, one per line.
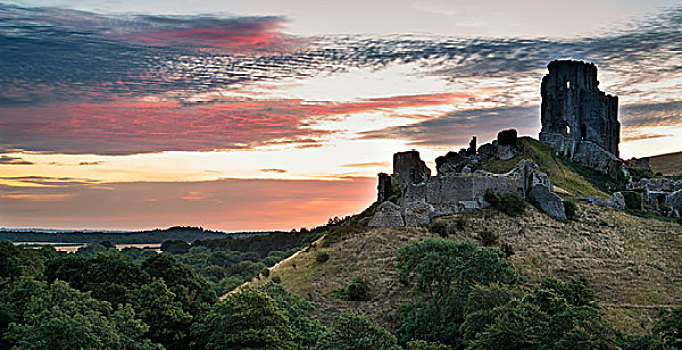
(272,115)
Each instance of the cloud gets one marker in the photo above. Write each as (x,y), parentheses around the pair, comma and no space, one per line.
(367,165)
(456,128)
(204,31)
(48,106)
(637,137)
(274,170)
(7,160)
(122,127)
(652,114)
(90,163)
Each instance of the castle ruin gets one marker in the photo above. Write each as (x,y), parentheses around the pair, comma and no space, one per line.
(574,110)
(579,121)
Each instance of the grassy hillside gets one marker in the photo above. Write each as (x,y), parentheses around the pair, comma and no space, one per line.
(567,176)
(668,164)
(634,264)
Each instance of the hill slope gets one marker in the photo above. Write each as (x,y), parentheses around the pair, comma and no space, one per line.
(634,264)
(668,164)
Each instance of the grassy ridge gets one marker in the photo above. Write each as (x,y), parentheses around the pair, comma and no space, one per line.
(634,264)
(561,172)
(668,164)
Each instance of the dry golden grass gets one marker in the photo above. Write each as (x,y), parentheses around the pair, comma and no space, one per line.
(634,264)
(668,164)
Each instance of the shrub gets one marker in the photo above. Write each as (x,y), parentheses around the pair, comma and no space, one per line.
(277,279)
(633,200)
(440,228)
(357,290)
(265,272)
(509,203)
(507,249)
(639,173)
(570,208)
(488,238)
(321,257)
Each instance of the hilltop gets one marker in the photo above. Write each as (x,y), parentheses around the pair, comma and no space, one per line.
(667,164)
(632,259)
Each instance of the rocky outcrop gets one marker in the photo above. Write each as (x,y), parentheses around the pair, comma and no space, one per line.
(387,215)
(591,155)
(418,213)
(675,201)
(550,203)
(616,201)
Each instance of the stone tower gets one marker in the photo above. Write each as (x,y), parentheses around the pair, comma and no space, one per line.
(574,110)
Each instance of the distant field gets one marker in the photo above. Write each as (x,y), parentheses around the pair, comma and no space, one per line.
(668,164)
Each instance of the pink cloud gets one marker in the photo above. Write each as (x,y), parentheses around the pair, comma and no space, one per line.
(123,127)
(228,33)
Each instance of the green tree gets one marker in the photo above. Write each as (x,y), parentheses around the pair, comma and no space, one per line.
(156,306)
(517,325)
(482,306)
(175,246)
(443,271)
(306,330)
(355,332)
(71,268)
(110,276)
(246,320)
(17,262)
(60,317)
(193,291)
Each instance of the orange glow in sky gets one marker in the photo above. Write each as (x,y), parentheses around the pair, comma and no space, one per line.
(112,121)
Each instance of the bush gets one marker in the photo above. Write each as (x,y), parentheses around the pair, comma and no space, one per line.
(633,200)
(322,257)
(639,173)
(507,249)
(440,228)
(277,279)
(265,272)
(488,238)
(509,203)
(357,290)
(570,208)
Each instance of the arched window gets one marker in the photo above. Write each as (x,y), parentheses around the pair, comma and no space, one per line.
(583,132)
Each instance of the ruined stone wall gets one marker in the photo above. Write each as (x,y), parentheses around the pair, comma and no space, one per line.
(574,109)
(409,168)
(425,197)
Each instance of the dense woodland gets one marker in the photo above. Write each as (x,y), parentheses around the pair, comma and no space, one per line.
(465,297)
